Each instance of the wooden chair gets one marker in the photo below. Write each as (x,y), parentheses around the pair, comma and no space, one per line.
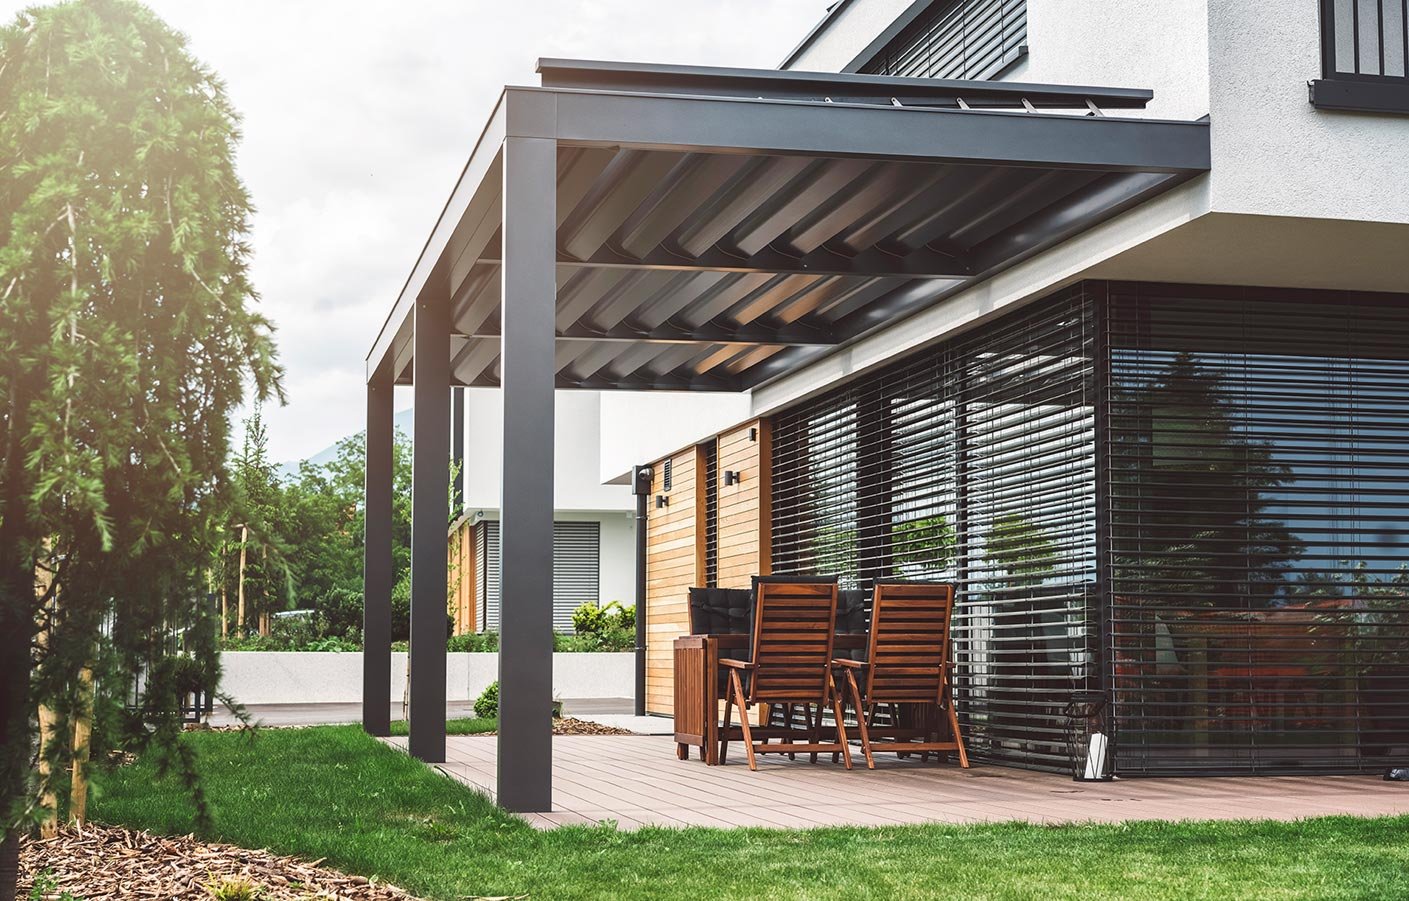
(907,666)
(793,624)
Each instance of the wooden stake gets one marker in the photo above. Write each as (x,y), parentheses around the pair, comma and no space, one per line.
(82,733)
(240,587)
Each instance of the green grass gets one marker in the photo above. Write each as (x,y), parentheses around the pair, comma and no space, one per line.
(473,725)
(333,792)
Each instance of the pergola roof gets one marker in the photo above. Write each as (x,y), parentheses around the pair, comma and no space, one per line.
(717,228)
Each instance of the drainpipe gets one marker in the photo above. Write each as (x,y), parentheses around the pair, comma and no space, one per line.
(641,487)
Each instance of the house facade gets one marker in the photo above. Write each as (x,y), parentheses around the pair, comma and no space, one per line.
(1162,459)
(594,544)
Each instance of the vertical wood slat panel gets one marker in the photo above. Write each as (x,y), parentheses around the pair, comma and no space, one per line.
(674,563)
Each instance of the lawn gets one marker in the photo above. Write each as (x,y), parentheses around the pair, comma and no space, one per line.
(333,792)
(474,725)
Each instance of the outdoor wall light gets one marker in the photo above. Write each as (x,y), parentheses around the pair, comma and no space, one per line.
(731,477)
(753,434)
(662,501)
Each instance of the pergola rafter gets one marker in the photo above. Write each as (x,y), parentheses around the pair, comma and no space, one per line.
(669,228)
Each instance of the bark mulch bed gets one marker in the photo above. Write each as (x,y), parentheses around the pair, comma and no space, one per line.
(108,863)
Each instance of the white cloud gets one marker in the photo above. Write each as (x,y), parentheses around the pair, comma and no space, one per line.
(359,116)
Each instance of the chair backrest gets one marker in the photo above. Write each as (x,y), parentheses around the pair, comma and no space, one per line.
(793,624)
(909,644)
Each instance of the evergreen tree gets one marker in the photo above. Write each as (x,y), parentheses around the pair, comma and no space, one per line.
(128,334)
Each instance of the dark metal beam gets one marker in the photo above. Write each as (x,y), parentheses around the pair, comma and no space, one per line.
(733,125)
(525,759)
(430,514)
(377,565)
(775,84)
(749,335)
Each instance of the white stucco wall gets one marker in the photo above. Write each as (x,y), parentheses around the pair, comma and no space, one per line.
(1273,152)
(848,34)
(642,426)
(577,484)
(618,560)
(1162,46)
(307,677)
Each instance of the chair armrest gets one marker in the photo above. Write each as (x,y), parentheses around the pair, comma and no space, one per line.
(735,664)
(849,664)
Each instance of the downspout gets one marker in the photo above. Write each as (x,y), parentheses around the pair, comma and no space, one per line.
(641,487)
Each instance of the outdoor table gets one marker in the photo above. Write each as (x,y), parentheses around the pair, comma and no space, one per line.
(697,695)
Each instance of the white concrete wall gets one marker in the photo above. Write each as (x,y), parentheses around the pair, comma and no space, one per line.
(643,426)
(577,483)
(309,677)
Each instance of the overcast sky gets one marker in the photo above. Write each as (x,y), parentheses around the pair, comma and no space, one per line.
(358,117)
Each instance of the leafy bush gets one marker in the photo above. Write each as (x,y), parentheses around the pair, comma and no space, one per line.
(601,628)
(487,704)
(474,643)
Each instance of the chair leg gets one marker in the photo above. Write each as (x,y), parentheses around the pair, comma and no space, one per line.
(815,730)
(788,717)
(841,720)
(855,691)
(728,721)
(738,687)
(954,729)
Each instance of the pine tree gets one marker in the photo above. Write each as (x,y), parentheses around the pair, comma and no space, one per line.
(128,334)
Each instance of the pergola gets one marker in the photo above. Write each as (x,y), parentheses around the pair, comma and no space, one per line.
(639,227)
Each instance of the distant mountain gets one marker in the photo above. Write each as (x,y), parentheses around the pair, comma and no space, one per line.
(328,454)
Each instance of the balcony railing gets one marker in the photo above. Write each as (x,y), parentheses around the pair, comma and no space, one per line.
(1364,56)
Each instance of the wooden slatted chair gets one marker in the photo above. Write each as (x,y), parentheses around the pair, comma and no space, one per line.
(790,664)
(907,665)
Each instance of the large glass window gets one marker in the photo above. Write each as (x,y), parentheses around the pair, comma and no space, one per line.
(1259,528)
(973,463)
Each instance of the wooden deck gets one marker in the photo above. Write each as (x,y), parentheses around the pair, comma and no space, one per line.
(636,781)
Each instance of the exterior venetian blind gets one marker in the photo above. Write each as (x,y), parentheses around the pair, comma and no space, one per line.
(974,39)
(972,463)
(1259,558)
(576,571)
(709,457)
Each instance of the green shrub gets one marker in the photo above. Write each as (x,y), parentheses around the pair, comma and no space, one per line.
(487,704)
(474,643)
(609,628)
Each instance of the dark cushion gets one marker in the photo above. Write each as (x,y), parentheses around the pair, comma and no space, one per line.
(720,611)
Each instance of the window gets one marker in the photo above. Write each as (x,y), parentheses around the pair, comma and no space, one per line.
(975,464)
(974,39)
(576,571)
(1364,56)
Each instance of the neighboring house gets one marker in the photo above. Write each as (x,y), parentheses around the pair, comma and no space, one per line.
(1163,458)
(594,550)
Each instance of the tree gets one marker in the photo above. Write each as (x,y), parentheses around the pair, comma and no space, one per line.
(255,561)
(128,334)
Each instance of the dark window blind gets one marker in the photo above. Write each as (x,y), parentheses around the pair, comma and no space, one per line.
(576,571)
(1259,495)
(972,463)
(965,39)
